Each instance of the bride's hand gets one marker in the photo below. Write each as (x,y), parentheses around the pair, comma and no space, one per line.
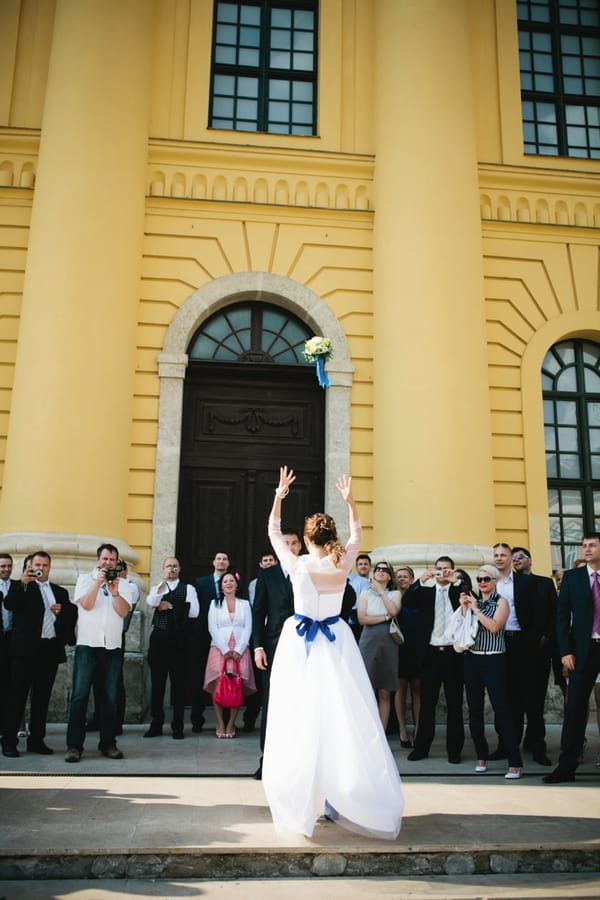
(286,478)
(344,486)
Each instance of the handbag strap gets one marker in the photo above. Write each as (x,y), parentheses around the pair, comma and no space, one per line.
(236,666)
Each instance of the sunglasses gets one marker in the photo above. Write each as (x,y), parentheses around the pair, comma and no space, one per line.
(521,556)
(483,579)
(382,569)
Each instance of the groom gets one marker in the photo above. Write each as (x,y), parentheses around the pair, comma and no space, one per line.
(273,604)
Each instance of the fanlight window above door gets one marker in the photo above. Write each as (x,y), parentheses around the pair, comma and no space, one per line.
(251,332)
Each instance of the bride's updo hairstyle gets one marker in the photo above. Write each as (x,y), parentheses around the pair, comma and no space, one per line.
(321,530)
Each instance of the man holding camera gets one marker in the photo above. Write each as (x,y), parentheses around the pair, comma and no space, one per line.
(174,604)
(43,622)
(103,600)
(441,664)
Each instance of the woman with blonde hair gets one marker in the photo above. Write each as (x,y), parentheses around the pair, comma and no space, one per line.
(325,748)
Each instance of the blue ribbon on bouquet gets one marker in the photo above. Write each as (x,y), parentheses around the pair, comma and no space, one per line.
(322,375)
(309,628)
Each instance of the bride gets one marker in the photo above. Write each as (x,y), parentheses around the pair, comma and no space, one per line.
(325,749)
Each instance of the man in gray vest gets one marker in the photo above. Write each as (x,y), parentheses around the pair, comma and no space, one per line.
(174,603)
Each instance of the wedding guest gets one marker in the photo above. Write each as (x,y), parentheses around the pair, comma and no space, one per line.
(409,663)
(230,627)
(578,633)
(485,669)
(376,606)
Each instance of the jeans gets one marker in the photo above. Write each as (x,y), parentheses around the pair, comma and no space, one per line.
(88,661)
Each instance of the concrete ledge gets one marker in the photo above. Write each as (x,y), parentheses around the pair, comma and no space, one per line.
(206,864)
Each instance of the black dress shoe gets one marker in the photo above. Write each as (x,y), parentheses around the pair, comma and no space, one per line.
(406,744)
(198,725)
(542,758)
(248,727)
(153,732)
(39,747)
(558,776)
(499,753)
(417,755)
(178,735)
(10,751)
(454,760)
(258,774)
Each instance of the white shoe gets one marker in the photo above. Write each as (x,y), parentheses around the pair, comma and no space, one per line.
(513,775)
(481,766)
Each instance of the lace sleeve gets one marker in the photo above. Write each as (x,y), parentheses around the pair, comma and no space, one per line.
(289,559)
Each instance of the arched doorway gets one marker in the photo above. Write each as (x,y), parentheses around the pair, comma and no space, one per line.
(250,404)
(286,294)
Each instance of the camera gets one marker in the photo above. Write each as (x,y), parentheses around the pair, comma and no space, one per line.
(438,573)
(36,573)
(113,573)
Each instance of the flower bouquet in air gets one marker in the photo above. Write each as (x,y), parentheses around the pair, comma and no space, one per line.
(318,350)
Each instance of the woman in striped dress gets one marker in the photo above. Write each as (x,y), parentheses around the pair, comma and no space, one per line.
(485,668)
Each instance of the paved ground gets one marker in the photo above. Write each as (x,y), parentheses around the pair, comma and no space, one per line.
(172,806)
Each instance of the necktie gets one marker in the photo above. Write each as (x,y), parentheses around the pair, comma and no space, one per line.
(49,617)
(596,598)
(439,628)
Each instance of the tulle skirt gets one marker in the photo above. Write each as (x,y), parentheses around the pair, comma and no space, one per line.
(325,748)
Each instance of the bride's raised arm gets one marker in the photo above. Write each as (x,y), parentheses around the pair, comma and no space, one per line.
(344,486)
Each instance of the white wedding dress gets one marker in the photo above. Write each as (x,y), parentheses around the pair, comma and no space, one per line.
(325,748)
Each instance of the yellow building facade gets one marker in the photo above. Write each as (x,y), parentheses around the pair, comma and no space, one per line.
(411,229)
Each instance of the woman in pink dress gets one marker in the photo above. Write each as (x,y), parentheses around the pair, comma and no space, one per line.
(230,627)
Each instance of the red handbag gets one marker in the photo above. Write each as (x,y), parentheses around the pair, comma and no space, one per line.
(229,691)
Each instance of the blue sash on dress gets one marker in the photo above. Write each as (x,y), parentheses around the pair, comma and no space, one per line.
(308,628)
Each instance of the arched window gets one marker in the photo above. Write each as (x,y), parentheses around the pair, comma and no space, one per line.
(571,386)
(251,332)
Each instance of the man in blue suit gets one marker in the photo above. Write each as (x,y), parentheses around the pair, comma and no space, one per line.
(578,634)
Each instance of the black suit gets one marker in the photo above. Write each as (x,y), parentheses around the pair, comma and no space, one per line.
(439,666)
(574,626)
(34,660)
(529,655)
(5,638)
(273,604)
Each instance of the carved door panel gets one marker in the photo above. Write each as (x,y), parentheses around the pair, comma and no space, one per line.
(240,423)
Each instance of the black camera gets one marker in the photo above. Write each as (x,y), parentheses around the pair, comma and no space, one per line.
(113,573)
(37,573)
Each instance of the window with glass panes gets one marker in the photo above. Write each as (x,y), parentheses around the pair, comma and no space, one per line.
(571,386)
(251,333)
(559,53)
(264,66)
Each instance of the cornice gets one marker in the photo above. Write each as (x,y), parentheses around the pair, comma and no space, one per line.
(19,149)
(260,175)
(536,196)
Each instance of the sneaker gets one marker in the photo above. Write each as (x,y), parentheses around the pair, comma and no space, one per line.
(73,755)
(112,752)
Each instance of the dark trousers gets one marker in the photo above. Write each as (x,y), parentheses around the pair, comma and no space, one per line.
(528,670)
(5,637)
(34,673)
(581,683)
(441,667)
(98,694)
(88,662)
(166,658)
(489,672)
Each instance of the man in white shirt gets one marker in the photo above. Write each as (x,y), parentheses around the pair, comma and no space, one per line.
(175,604)
(103,600)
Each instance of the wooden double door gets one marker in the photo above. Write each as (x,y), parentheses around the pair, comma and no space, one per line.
(240,423)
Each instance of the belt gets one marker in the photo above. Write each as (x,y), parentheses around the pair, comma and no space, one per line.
(595,640)
(441,646)
(511,634)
